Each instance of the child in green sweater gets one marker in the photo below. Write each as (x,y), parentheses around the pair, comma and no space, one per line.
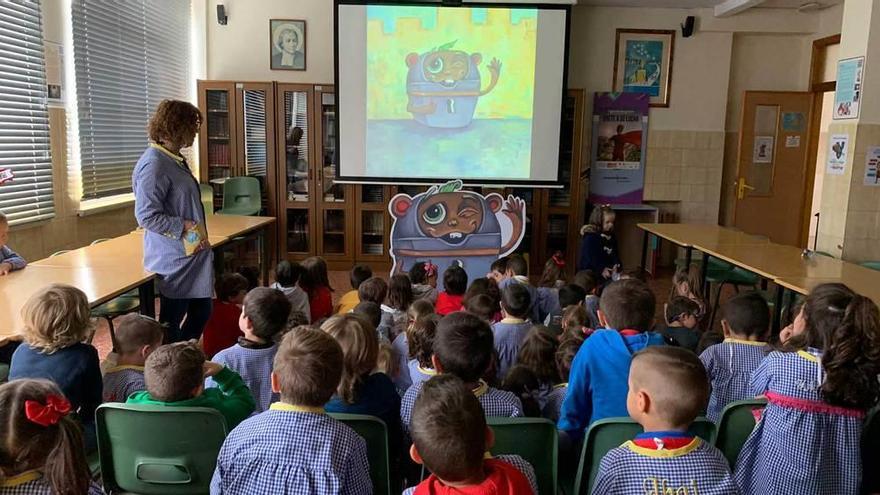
(175,377)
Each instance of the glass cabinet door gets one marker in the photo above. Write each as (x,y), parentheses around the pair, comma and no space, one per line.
(296,138)
(257,138)
(217,146)
(332,192)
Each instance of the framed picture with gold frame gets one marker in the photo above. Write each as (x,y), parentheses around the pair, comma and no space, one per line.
(643,63)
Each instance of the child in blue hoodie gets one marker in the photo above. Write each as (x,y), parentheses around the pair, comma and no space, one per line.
(597,385)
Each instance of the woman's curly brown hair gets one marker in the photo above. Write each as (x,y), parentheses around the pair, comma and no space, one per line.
(172,120)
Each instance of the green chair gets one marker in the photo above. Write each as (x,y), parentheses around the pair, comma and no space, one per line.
(610,433)
(207,193)
(533,439)
(735,276)
(735,425)
(241,196)
(375,433)
(4,372)
(124,304)
(873,265)
(151,449)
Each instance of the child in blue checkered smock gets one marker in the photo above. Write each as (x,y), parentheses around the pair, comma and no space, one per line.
(420,343)
(668,388)
(746,323)
(295,447)
(463,347)
(538,355)
(42,451)
(512,329)
(818,388)
(136,336)
(263,317)
(452,441)
(565,354)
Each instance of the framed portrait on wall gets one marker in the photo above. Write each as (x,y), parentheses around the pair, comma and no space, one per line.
(287,38)
(643,63)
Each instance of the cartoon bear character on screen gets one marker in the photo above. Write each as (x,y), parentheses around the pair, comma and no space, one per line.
(443,86)
(446,225)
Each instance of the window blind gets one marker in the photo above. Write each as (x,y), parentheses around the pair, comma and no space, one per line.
(255,143)
(24,118)
(128,56)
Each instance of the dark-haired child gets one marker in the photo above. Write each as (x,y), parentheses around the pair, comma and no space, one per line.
(599,251)
(420,308)
(175,377)
(455,281)
(569,295)
(463,347)
(399,297)
(498,270)
(423,276)
(565,353)
(668,389)
(420,337)
(372,312)
(358,275)
(263,318)
(315,282)
(681,323)
(451,438)
(537,353)
(552,280)
(483,306)
(375,290)
(586,279)
(136,337)
(222,330)
(510,332)
(287,276)
(41,452)
(294,446)
(730,364)
(484,287)
(818,388)
(518,273)
(597,384)
(522,382)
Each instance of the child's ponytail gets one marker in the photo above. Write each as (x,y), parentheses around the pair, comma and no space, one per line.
(851,357)
(66,464)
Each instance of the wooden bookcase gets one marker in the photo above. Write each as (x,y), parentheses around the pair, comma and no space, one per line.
(284,134)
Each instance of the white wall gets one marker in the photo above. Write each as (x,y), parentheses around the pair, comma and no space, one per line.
(240,50)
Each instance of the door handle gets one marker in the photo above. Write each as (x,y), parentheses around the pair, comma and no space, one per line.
(742,187)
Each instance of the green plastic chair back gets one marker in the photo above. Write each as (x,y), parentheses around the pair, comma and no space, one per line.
(533,439)
(735,426)
(152,449)
(873,265)
(610,433)
(241,196)
(375,433)
(207,193)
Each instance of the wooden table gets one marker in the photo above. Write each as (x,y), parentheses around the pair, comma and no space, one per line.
(234,227)
(99,284)
(690,236)
(862,280)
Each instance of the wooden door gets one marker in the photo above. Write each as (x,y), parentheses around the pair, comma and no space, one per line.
(771,170)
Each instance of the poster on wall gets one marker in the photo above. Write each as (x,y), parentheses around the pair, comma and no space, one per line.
(847,94)
(763,152)
(838,148)
(620,138)
(872,163)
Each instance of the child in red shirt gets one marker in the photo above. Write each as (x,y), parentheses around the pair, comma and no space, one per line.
(222,330)
(455,281)
(315,282)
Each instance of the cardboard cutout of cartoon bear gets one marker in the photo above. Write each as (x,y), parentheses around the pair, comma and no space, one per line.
(446,225)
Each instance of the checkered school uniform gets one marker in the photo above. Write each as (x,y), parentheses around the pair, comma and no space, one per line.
(417,373)
(516,461)
(509,335)
(33,483)
(255,367)
(122,381)
(495,403)
(554,402)
(801,444)
(697,468)
(292,450)
(730,365)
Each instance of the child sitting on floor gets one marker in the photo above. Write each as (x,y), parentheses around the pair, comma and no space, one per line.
(42,450)
(316,283)
(455,281)
(598,382)
(569,296)
(57,321)
(451,439)
(586,280)
(294,444)
(400,346)
(420,338)
(372,312)
(463,347)
(374,290)
(423,276)
(263,318)
(537,353)
(357,276)
(668,389)
(498,270)
(483,306)
(222,330)
(399,297)
(9,260)
(510,332)
(137,336)
(175,377)
(287,276)
(681,323)
(565,353)
(518,273)
(484,287)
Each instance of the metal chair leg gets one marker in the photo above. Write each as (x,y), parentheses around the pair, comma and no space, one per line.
(715,305)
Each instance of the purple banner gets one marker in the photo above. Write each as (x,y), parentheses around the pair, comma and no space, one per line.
(620,139)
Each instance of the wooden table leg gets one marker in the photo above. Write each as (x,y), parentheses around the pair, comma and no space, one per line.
(688,257)
(264,256)
(645,250)
(704,273)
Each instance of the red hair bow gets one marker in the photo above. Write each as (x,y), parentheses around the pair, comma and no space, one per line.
(49,413)
(557,258)
(430,269)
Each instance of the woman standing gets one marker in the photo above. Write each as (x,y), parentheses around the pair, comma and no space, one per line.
(168,205)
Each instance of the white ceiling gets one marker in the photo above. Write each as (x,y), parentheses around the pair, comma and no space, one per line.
(691,4)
